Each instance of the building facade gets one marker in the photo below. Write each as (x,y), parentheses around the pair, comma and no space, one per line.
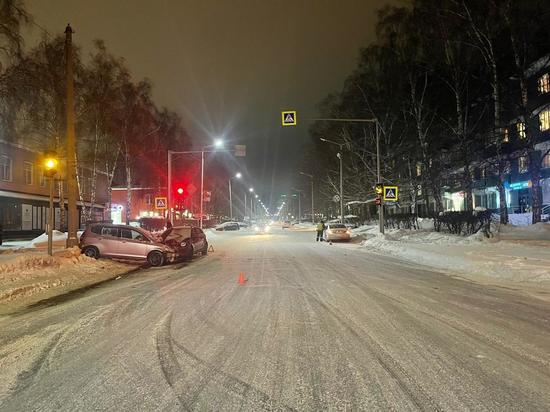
(24,193)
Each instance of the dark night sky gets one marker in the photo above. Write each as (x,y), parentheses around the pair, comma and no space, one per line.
(229,67)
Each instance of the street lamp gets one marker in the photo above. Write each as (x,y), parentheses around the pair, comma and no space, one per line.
(312,212)
(237,176)
(50,170)
(299,204)
(339,155)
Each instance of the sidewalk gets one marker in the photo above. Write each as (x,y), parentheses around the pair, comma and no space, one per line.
(30,275)
(514,254)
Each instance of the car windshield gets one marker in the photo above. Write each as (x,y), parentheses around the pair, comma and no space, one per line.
(337,226)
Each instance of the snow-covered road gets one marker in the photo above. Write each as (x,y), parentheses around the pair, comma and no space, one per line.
(315,327)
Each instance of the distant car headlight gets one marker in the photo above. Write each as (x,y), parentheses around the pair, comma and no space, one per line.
(348,232)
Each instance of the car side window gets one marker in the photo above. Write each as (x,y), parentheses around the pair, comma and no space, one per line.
(133,234)
(96,229)
(109,231)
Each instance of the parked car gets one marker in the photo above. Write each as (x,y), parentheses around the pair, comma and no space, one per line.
(337,231)
(228,226)
(125,242)
(187,241)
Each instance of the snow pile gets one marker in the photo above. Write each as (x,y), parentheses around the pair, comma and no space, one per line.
(475,255)
(27,274)
(59,239)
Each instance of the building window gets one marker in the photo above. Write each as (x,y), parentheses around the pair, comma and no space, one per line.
(544,83)
(27,169)
(520,127)
(546,161)
(148,199)
(544,120)
(5,168)
(523,164)
(41,177)
(505,135)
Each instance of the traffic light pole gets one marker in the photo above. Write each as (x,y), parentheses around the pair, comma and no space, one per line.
(202,185)
(50,218)
(169,188)
(381,205)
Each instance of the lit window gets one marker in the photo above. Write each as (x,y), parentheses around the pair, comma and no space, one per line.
(520,127)
(5,168)
(544,120)
(523,164)
(27,168)
(544,83)
(546,161)
(505,135)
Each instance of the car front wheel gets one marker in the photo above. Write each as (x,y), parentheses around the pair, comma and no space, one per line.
(91,251)
(155,258)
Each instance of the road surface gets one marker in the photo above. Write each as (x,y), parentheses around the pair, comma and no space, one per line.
(315,327)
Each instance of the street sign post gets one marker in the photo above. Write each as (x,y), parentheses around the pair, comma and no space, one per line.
(288,118)
(160,203)
(391,193)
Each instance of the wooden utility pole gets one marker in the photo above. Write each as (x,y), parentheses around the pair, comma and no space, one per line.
(72,239)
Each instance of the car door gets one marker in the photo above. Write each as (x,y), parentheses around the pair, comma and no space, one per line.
(133,244)
(198,239)
(108,241)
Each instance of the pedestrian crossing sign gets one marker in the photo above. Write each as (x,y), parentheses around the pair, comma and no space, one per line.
(289,118)
(160,203)
(391,193)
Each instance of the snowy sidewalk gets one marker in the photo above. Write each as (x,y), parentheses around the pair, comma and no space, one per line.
(28,276)
(515,254)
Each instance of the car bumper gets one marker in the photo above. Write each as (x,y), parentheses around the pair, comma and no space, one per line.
(338,236)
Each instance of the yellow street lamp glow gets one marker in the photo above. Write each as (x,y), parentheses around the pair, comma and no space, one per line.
(51,163)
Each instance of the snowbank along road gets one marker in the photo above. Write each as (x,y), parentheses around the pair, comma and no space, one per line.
(315,327)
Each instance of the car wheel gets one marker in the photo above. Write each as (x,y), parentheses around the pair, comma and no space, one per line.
(91,251)
(205,249)
(155,258)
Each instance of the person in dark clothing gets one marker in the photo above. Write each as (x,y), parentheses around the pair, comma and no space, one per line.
(320,230)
